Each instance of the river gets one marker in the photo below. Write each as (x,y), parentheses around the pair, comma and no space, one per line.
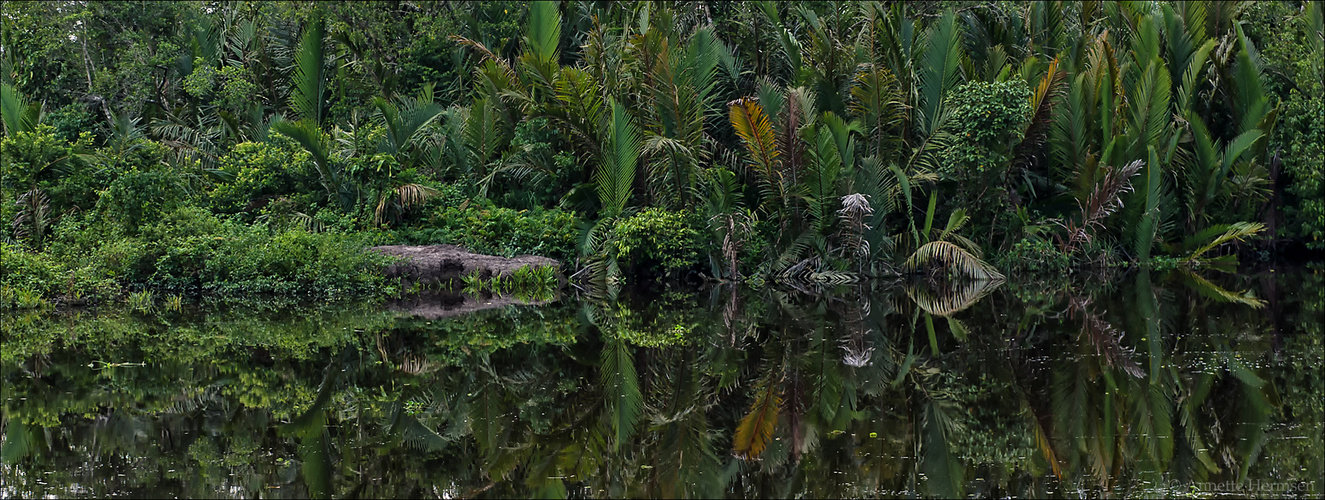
(1147,384)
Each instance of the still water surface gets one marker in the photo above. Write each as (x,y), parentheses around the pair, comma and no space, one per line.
(1149,384)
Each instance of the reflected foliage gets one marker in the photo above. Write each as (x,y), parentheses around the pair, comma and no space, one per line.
(1015,389)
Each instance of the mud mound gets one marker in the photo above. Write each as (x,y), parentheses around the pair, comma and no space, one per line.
(448,263)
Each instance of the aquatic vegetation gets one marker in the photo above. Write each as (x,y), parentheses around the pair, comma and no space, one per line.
(142,301)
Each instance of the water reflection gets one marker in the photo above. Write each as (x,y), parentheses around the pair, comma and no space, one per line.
(1145,386)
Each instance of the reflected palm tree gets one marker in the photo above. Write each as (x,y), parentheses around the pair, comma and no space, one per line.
(950,297)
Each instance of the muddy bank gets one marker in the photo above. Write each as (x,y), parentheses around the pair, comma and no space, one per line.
(446,264)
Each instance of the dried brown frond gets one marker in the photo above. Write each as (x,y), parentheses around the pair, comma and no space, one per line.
(1103,201)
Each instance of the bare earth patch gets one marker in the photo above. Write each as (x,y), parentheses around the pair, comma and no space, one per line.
(446,264)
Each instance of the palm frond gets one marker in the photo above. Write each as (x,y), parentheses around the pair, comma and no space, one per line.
(415,433)
(948,300)
(1103,201)
(621,389)
(944,471)
(309,77)
(318,145)
(1145,228)
(1050,88)
(33,217)
(1068,137)
(754,128)
(19,115)
(755,430)
(876,99)
(616,172)
(543,32)
(950,256)
(940,69)
(956,220)
(1150,115)
(403,199)
(1235,232)
(487,55)
(1191,77)
(1312,24)
(1251,103)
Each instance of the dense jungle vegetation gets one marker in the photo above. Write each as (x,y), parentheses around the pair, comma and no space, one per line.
(258,147)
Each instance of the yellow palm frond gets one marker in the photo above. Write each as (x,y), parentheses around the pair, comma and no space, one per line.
(756,429)
(750,122)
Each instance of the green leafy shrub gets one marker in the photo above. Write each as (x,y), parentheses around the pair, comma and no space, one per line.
(36,158)
(987,120)
(655,238)
(195,250)
(500,231)
(192,250)
(139,197)
(261,170)
(1034,256)
(1301,139)
(23,270)
(51,276)
(70,121)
